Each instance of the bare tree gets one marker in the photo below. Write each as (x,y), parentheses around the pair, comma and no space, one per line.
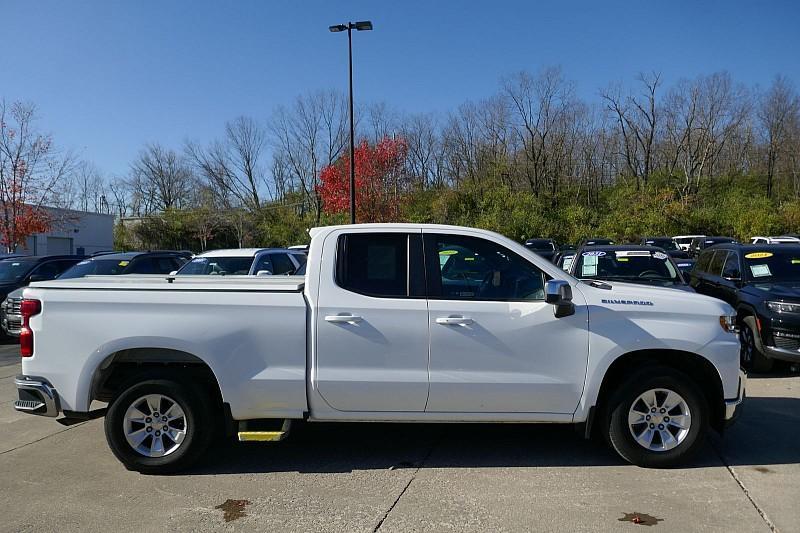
(778,109)
(161,179)
(540,104)
(702,116)
(308,136)
(233,165)
(637,118)
(88,187)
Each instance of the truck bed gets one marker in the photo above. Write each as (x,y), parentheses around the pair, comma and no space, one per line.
(250,331)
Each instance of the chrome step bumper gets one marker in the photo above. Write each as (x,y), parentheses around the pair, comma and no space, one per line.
(36,396)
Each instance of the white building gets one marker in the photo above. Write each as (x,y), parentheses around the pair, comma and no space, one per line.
(73,232)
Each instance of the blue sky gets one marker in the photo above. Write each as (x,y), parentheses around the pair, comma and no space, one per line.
(110,76)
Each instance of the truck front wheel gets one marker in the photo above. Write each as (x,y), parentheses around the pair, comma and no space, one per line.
(159,426)
(658,418)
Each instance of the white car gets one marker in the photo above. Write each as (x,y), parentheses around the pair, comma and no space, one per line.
(783,239)
(244,261)
(685,241)
(391,323)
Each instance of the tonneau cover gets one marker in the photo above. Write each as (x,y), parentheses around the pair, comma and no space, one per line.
(179,283)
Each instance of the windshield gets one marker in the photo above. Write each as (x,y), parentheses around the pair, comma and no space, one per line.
(632,266)
(14,270)
(773,266)
(217,266)
(96,267)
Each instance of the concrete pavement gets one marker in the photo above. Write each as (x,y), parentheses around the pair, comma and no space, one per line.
(406,477)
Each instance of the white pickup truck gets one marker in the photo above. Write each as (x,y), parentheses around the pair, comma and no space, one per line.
(391,323)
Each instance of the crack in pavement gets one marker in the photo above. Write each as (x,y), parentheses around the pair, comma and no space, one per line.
(746,492)
(43,438)
(402,492)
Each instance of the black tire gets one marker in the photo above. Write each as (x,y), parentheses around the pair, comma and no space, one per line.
(751,355)
(197,408)
(619,434)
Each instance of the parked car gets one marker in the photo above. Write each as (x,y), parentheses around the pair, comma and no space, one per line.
(783,239)
(393,322)
(701,243)
(117,263)
(667,244)
(762,282)
(645,265)
(685,241)
(595,241)
(244,261)
(17,272)
(547,248)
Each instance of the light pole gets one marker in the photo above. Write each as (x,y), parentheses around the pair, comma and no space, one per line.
(364,25)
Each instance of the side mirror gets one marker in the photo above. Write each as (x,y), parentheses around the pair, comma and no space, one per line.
(264,273)
(559,293)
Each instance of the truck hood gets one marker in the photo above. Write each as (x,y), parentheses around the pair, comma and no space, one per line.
(644,298)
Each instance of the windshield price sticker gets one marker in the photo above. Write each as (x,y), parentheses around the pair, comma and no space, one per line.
(593,254)
(760,271)
(589,267)
(758,255)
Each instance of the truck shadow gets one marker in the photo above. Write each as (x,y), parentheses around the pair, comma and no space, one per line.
(765,434)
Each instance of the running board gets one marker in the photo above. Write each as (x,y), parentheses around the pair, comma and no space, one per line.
(251,435)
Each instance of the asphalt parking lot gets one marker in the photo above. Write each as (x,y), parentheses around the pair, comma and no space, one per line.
(406,477)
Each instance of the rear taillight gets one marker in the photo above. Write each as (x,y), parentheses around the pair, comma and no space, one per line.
(27,309)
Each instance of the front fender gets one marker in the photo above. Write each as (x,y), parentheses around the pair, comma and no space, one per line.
(696,330)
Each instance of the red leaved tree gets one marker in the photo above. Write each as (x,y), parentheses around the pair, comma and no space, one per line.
(30,171)
(379,181)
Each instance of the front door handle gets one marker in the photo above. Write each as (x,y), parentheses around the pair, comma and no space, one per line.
(454,320)
(343,318)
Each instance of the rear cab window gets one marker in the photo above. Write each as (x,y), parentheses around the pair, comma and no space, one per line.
(383,265)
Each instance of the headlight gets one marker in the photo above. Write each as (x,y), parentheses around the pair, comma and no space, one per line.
(728,323)
(782,307)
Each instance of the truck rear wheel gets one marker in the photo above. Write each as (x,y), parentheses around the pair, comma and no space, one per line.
(159,426)
(658,418)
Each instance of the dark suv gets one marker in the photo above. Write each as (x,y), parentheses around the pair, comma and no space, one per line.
(667,244)
(762,282)
(544,247)
(16,273)
(701,243)
(111,264)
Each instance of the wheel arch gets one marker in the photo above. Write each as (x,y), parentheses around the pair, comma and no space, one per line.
(698,368)
(129,364)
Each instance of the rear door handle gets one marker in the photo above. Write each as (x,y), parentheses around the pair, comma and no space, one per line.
(454,320)
(343,318)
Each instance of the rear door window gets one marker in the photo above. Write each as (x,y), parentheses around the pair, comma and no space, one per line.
(715,267)
(731,269)
(377,264)
(703,261)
